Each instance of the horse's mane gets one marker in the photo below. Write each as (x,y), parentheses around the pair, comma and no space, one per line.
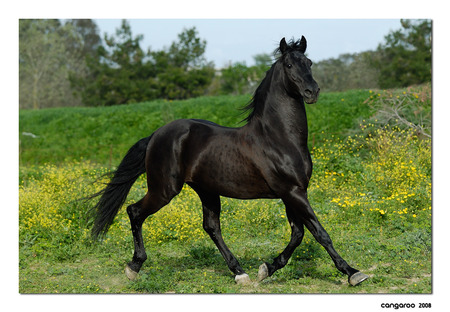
(256,104)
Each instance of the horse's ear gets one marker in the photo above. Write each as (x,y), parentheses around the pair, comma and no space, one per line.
(283,45)
(302,46)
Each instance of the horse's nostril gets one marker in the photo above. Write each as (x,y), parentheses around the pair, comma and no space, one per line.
(308,92)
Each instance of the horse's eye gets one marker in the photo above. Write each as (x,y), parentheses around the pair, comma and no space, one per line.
(289,65)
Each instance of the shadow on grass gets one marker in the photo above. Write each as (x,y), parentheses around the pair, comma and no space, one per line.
(203,265)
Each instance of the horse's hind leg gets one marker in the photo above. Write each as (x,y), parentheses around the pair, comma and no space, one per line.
(137,213)
(211,224)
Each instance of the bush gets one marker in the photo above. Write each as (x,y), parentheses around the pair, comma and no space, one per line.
(382,176)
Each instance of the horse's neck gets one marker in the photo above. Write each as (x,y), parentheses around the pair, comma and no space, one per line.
(282,117)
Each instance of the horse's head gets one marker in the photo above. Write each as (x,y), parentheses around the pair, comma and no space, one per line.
(297,69)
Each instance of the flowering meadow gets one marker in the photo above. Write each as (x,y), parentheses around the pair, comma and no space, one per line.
(371,190)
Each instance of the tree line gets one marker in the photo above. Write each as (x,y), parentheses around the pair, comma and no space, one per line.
(69,64)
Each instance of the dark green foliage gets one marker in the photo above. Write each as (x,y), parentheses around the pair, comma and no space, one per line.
(405,58)
(123,73)
(118,73)
(65,63)
(182,70)
(348,71)
(240,79)
(87,39)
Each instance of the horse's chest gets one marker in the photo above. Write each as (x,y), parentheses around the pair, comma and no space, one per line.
(292,167)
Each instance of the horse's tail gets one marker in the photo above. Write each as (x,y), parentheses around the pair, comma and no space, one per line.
(113,196)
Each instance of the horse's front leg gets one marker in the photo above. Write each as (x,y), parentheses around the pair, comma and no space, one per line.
(297,232)
(302,213)
(211,224)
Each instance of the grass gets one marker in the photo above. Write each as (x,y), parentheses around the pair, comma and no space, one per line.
(371,190)
(199,268)
(104,134)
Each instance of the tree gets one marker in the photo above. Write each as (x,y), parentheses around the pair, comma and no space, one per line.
(263,60)
(40,51)
(238,78)
(361,74)
(188,51)
(405,58)
(118,73)
(87,38)
(234,79)
(48,52)
(182,69)
(331,74)
(121,72)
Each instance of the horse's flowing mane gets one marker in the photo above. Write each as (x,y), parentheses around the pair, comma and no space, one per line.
(256,104)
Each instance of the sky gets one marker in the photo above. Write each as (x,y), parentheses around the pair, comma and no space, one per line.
(239,40)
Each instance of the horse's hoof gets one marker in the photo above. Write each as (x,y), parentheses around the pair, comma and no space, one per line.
(263,272)
(132,275)
(357,278)
(242,279)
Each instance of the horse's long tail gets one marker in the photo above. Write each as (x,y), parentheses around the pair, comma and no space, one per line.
(113,196)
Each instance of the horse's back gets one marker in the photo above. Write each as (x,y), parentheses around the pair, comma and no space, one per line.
(173,148)
(206,155)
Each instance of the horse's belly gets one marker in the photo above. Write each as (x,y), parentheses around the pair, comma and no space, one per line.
(242,189)
(228,173)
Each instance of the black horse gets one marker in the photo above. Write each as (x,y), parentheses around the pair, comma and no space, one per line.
(266,158)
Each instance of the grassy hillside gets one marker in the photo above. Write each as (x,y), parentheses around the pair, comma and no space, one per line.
(371,190)
(104,134)
(376,208)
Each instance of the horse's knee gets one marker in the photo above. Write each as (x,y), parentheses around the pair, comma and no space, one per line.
(297,233)
(133,212)
(147,206)
(324,239)
(209,228)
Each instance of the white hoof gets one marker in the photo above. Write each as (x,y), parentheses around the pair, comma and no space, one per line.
(130,273)
(242,279)
(263,272)
(357,278)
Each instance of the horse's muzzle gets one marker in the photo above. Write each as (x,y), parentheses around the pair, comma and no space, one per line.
(311,97)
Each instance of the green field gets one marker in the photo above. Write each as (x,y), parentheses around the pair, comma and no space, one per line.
(65,134)
(371,189)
